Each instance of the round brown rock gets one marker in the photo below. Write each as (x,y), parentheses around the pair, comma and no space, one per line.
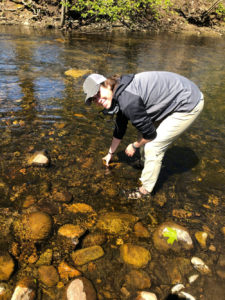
(48,275)
(6,266)
(34,226)
(135,256)
(138,279)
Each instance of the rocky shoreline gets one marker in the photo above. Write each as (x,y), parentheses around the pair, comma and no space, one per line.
(150,261)
(88,244)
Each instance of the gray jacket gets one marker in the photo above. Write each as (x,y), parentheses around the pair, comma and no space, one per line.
(147,97)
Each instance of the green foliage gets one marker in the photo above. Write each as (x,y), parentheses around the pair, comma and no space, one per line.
(171,234)
(124,10)
(220,10)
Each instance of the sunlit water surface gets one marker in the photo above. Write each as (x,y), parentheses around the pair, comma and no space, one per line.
(42,108)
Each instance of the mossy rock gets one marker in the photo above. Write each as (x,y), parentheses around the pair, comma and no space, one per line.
(35,226)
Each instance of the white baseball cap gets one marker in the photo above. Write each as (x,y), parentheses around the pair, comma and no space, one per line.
(91,86)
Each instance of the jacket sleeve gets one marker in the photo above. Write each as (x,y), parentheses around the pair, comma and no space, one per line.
(136,112)
(120,125)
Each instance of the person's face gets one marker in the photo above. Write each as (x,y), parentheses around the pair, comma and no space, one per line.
(104,97)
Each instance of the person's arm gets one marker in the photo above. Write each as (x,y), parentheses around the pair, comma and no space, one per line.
(131,148)
(143,123)
(119,131)
(115,143)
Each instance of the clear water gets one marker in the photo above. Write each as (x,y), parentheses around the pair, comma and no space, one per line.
(42,108)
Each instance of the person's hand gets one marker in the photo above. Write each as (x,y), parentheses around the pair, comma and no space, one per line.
(130,150)
(107,158)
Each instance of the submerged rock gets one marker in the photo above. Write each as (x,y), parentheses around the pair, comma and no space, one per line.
(177,288)
(67,272)
(39,159)
(4,292)
(62,196)
(45,258)
(116,223)
(25,290)
(71,231)
(193,278)
(146,296)
(135,256)
(6,266)
(173,271)
(138,279)
(89,217)
(201,237)
(34,226)
(29,201)
(199,265)
(169,235)
(80,288)
(140,230)
(48,275)
(93,239)
(75,73)
(220,268)
(186,296)
(83,256)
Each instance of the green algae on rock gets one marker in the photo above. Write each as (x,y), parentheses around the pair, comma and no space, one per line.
(45,258)
(116,223)
(71,231)
(35,226)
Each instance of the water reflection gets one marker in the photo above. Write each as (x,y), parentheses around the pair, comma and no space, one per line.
(42,108)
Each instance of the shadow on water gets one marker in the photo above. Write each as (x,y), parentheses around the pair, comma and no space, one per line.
(177,160)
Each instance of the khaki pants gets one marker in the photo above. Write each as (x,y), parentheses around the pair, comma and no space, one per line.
(167,132)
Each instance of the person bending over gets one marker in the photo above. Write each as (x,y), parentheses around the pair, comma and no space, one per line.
(144,98)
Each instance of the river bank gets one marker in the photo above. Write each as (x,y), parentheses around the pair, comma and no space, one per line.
(192,18)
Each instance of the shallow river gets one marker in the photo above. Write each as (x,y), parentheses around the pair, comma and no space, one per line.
(43,108)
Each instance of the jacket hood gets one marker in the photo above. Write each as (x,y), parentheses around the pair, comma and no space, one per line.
(124,81)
